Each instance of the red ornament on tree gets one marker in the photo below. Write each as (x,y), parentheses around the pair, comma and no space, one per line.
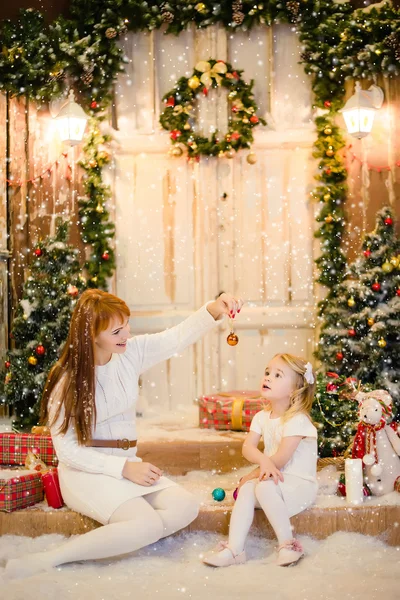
(254,119)
(367,253)
(72,290)
(40,350)
(328,171)
(170,102)
(376,286)
(327,104)
(398,292)
(7,364)
(205,91)
(235,136)
(175,133)
(352,332)
(388,221)
(236,75)
(331,387)
(93,104)
(339,355)
(105,256)
(38,252)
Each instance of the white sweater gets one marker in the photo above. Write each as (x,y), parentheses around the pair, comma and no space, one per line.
(116,395)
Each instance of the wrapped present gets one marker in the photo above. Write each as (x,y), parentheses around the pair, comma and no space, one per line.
(229,410)
(14,448)
(52,488)
(19,489)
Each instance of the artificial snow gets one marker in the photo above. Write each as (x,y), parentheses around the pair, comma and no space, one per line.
(347,566)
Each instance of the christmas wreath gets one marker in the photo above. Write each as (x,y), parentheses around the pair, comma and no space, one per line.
(177,116)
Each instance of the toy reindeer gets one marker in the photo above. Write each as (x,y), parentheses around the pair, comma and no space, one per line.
(377,443)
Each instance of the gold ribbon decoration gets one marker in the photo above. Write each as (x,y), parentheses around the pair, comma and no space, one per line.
(210,73)
(237,408)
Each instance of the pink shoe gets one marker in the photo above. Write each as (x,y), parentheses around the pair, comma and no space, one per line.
(289,553)
(223,556)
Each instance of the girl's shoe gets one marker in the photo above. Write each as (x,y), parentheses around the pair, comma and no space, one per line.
(289,553)
(223,556)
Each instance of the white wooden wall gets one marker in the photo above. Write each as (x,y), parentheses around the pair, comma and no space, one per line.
(180,241)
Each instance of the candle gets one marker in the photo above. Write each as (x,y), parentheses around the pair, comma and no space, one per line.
(354,480)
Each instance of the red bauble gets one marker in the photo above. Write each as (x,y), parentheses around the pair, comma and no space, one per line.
(205,91)
(40,350)
(339,355)
(94,104)
(170,102)
(376,286)
(367,253)
(389,221)
(38,252)
(331,387)
(327,104)
(351,332)
(236,75)
(235,136)
(105,256)
(7,364)
(175,133)
(254,119)
(398,292)
(328,171)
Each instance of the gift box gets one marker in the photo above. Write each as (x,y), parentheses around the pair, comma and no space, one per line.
(14,448)
(19,489)
(229,410)
(52,488)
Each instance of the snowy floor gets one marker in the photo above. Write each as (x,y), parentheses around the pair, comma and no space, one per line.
(346,566)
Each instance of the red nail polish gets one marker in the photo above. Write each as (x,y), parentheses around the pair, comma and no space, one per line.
(238,310)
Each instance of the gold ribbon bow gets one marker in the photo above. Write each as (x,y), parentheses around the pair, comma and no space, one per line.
(209,72)
(237,409)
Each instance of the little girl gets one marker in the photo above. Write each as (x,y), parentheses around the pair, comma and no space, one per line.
(285,482)
(89,402)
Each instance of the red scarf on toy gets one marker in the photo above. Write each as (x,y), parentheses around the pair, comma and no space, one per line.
(362,440)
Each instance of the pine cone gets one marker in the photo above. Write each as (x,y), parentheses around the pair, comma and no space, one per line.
(238,17)
(306,56)
(293,8)
(111,33)
(167,16)
(87,78)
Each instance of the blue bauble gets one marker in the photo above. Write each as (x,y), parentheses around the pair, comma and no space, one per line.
(218,494)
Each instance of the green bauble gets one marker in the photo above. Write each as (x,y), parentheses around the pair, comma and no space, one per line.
(218,494)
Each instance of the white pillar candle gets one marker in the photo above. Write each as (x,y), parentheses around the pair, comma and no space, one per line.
(354,480)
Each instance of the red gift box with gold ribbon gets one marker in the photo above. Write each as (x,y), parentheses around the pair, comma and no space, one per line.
(229,410)
(14,448)
(19,489)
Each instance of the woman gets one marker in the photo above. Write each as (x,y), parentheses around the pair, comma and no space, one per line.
(89,402)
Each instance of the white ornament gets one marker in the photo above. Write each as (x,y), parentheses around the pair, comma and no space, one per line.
(376,470)
(369,459)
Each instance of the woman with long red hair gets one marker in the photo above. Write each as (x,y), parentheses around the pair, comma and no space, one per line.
(89,403)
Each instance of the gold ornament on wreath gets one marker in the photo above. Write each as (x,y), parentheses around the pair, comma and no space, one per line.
(178,118)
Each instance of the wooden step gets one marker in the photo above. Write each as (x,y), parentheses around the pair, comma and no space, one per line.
(317,522)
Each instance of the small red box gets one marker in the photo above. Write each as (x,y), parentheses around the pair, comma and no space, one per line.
(230,410)
(52,488)
(19,489)
(15,446)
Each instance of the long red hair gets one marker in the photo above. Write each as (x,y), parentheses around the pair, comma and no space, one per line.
(75,368)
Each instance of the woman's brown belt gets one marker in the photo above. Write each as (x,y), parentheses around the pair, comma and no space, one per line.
(124,444)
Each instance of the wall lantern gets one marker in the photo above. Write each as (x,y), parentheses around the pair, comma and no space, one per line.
(71,121)
(359,110)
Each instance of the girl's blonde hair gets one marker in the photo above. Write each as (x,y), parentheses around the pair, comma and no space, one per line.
(76,366)
(301,399)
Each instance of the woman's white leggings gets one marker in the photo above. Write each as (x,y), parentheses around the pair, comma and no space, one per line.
(258,494)
(135,524)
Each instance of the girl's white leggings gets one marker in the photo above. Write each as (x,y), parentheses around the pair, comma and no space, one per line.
(135,524)
(258,494)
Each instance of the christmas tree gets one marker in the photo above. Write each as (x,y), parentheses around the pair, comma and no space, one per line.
(360,334)
(41,324)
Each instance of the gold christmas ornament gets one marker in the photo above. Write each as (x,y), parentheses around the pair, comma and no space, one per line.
(387,267)
(327,131)
(382,343)
(92,163)
(194,82)
(232,339)
(394,261)
(251,158)
(176,151)
(371,321)
(329,219)
(330,151)
(32,360)
(186,126)
(326,197)
(351,302)
(100,208)
(245,120)
(201,8)
(230,153)
(94,279)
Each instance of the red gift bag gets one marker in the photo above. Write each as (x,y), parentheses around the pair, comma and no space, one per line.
(52,489)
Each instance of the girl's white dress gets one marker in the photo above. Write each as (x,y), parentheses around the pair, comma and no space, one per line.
(91,479)
(299,488)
